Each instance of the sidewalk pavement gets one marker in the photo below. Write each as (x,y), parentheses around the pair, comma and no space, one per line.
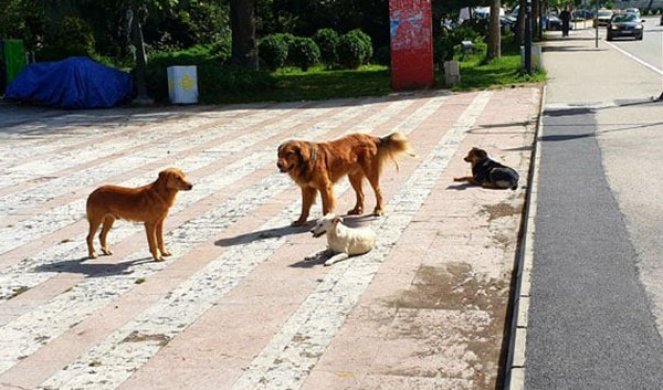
(236,306)
(590,307)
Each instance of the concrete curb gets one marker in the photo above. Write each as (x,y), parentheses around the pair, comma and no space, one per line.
(514,367)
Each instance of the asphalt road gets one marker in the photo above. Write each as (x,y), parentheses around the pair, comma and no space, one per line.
(594,319)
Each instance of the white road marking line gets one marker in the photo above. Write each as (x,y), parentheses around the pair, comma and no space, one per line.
(174,313)
(308,332)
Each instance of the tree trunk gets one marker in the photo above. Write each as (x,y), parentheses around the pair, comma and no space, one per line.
(242,22)
(494,31)
(536,24)
(520,23)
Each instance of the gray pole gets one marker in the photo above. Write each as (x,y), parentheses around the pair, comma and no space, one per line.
(660,98)
(136,31)
(528,37)
(596,24)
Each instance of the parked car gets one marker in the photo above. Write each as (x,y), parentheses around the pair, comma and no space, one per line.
(552,22)
(582,14)
(603,17)
(633,11)
(661,20)
(624,25)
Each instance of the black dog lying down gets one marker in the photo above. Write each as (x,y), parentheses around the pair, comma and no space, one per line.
(489,173)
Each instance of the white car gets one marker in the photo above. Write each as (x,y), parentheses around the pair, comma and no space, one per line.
(603,17)
(633,11)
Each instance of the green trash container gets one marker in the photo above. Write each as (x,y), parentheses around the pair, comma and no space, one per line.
(12,61)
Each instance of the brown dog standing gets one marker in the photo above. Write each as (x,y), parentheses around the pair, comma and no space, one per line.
(148,204)
(317,166)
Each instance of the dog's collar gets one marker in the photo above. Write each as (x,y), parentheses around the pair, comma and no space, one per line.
(314,154)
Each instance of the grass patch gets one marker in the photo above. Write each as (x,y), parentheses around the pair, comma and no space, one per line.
(475,73)
(478,73)
(319,83)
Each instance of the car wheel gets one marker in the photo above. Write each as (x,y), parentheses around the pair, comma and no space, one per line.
(609,37)
(639,38)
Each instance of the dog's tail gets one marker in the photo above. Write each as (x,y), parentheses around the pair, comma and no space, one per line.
(392,146)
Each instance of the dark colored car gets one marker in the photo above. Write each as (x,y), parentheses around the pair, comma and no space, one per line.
(552,22)
(624,25)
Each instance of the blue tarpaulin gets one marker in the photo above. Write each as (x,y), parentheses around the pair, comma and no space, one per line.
(77,82)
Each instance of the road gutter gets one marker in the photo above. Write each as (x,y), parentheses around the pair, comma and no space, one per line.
(516,338)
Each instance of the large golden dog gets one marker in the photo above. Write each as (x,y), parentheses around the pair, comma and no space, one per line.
(317,166)
(148,204)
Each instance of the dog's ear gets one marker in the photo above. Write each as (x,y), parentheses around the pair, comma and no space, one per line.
(304,152)
(480,153)
(163,175)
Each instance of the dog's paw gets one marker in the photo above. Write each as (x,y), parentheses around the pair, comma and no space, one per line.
(458,179)
(165,253)
(336,258)
(298,222)
(356,211)
(92,256)
(106,251)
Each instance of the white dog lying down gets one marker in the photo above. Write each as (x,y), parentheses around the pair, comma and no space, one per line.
(342,241)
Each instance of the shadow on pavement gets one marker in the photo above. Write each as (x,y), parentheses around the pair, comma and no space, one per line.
(319,259)
(547,49)
(92,269)
(565,137)
(459,187)
(584,110)
(263,235)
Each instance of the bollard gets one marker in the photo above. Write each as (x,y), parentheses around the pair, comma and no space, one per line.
(451,73)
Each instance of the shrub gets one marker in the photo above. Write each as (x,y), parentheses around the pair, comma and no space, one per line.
(216,79)
(273,51)
(354,49)
(227,83)
(327,40)
(72,37)
(368,45)
(303,53)
(447,43)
